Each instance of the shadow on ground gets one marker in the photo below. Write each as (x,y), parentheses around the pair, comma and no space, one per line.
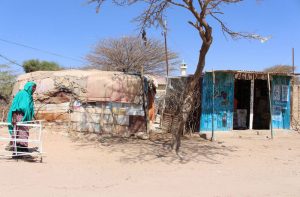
(158,148)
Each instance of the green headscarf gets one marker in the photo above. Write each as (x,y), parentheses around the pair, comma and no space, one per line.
(23,102)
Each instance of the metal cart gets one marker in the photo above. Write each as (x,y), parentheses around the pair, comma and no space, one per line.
(10,144)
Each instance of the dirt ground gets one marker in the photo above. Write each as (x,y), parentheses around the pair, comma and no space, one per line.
(236,164)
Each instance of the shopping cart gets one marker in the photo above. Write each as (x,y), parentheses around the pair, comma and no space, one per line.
(10,145)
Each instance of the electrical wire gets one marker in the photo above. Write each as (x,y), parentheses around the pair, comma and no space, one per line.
(41,50)
(11,61)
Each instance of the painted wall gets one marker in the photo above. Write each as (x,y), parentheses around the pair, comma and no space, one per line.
(281,94)
(223,102)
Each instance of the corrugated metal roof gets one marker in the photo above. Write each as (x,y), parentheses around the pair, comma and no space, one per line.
(254,72)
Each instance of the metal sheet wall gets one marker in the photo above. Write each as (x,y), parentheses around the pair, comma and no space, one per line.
(281,94)
(223,102)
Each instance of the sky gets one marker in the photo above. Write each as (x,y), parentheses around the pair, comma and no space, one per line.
(70,29)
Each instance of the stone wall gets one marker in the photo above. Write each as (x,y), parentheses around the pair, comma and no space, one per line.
(108,117)
(99,117)
(56,116)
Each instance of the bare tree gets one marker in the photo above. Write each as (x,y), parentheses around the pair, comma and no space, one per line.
(154,15)
(129,54)
(280,68)
(7,80)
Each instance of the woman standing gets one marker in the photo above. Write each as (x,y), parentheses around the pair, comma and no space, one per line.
(21,110)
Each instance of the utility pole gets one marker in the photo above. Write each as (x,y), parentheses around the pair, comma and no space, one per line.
(167,71)
(166,47)
(144,37)
(145,104)
(293,60)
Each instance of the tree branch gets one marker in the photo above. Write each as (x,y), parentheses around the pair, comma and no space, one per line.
(177,4)
(239,35)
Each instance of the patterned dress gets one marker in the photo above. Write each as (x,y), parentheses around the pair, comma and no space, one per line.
(19,132)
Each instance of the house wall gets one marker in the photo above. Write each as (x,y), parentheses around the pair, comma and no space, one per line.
(56,116)
(98,117)
(108,117)
(223,102)
(296,107)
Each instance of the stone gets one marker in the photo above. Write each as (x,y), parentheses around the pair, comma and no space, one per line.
(92,137)
(142,135)
(203,135)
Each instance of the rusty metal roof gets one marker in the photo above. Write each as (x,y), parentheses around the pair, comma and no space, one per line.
(254,72)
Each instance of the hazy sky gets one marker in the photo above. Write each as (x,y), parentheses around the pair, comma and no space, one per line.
(70,28)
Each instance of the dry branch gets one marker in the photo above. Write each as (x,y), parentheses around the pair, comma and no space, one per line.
(130,54)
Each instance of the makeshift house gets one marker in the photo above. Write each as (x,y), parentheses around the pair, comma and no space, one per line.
(245,100)
(91,101)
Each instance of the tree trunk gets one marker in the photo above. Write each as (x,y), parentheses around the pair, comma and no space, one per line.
(201,62)
(190,97)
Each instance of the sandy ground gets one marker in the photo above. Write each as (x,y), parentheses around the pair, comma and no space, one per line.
(237,164)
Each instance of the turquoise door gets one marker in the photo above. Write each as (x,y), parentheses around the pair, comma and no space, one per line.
(281,102)
(223,102)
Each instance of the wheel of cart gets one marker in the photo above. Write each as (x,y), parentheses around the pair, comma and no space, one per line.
(16,146)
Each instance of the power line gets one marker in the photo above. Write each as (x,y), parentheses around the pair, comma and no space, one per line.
(11,61)
(41,50)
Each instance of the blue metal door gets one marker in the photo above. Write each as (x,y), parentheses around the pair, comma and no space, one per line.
(223,102)
(281,102)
